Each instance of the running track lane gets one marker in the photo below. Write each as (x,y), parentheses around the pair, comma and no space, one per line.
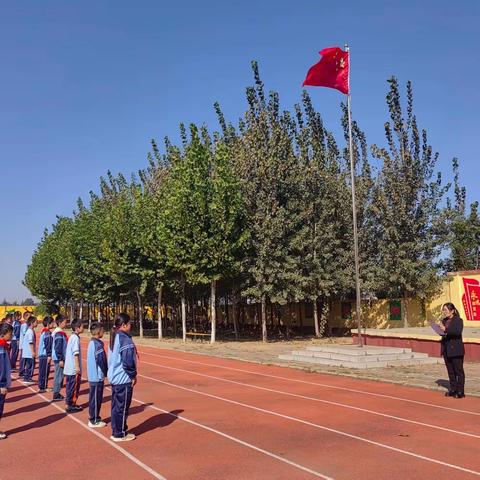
(330,429)
(185,450)
(387,432)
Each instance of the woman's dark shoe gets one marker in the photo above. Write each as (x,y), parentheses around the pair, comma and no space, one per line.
(450,394)
(459,395)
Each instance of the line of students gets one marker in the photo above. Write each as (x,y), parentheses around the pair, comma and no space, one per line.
(120,369)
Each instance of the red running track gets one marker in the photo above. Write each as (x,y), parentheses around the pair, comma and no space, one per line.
(199,417)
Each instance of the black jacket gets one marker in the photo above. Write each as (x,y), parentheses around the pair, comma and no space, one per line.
(452,342)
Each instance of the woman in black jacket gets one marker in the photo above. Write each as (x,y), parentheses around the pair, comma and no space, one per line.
(453,350)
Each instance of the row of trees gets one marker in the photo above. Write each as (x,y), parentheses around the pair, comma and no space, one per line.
(262,211)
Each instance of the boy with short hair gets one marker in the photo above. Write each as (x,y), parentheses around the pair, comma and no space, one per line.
(96,371)
(6,331)
(59,349)
(45,353)
(73,367)
(29,351)
(23,329)
(15,340)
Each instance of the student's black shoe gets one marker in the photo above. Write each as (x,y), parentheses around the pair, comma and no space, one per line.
(73,409)
(459,395)
(450,394)
(41,390)
(58,398)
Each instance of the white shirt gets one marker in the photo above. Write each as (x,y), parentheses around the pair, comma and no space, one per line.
(73,348)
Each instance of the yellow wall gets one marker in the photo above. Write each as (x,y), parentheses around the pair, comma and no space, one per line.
(5,309)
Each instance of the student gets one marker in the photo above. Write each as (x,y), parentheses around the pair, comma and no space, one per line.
(15,339)
(73,367)
(453,350)
(59,340)
(45,353)
(6,331)
(122,373)
(23,329)
(29,351)
(96,371)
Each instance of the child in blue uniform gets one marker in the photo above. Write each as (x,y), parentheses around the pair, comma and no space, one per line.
(23,329)
(15,340)
(73,368)
(122,373)
(59,349)
(5,367)
(96,371)
(45,353)
(29,351)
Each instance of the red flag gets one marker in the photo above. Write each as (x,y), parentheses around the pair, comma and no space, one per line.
(331,71)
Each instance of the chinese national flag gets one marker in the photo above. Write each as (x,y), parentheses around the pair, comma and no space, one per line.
(331,71)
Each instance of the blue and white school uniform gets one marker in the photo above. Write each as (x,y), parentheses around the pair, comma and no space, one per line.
(44,358)
(122,369)
(23,330)
(5,372)
(59,349)
(14,344)
(96,372)
(28,358)
(73,379)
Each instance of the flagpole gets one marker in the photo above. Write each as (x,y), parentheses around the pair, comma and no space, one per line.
(358,309)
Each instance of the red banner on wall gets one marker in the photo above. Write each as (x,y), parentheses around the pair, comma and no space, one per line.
(471,298)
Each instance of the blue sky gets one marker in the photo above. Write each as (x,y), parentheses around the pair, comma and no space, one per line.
(84,86)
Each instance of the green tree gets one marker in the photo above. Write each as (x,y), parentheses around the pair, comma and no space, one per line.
(407,205)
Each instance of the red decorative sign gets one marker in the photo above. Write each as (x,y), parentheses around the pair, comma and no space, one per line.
(471,298)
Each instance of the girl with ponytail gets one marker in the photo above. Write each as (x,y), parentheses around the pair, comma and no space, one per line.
(122,373)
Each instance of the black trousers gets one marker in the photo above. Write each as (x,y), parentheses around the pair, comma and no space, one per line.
(95,398)
(2,403)
(43,372)
(72,389)
(121,400)
(28,366)
(14,354)
(456,375)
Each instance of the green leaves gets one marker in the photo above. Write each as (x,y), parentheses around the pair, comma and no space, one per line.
(264,209)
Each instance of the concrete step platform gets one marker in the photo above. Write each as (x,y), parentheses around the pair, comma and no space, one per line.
(351,356)
(357,351)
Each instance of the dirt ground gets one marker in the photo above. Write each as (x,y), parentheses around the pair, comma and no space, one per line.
(432,377)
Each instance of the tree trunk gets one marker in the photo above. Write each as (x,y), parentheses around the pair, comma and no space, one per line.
(184,314)
(315,318)
(213,314)
(404,311)
(81,310)
(264,319)
(140,313)
(159,307)
(72,310)
(234,315)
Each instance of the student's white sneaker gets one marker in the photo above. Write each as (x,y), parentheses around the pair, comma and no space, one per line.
(3,436)
(127,438)
(29,384)
(99,424)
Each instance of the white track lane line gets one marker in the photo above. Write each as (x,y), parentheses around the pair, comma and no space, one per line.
(105,439)
(315,425)
(225,435)
(295,380)
(328,402)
